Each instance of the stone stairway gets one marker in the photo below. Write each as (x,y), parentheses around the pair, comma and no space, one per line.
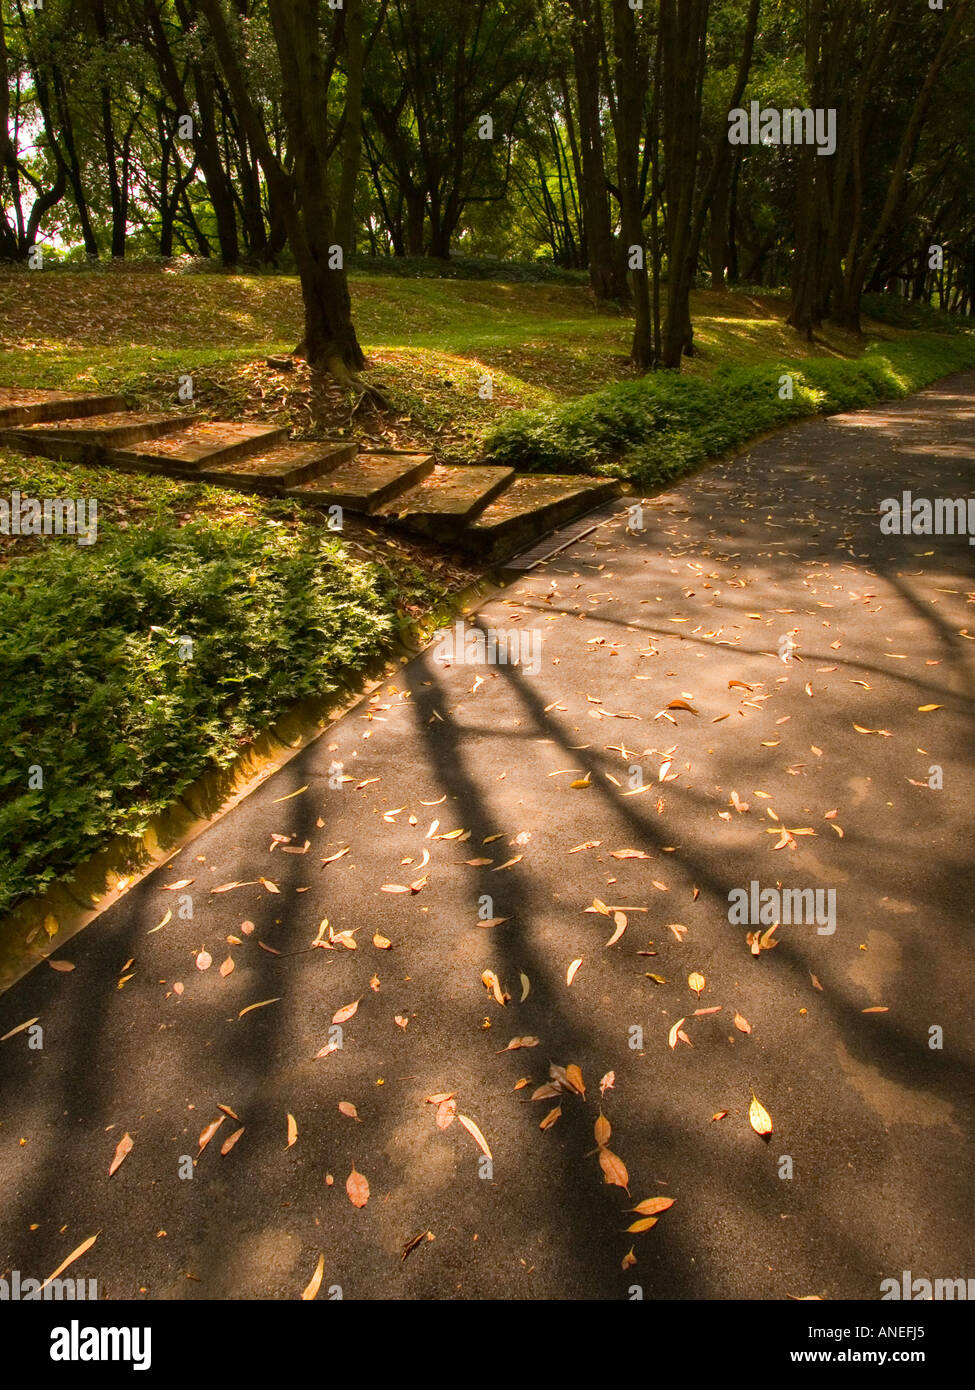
(488,511)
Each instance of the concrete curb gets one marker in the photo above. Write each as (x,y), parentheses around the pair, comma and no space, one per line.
(41,925)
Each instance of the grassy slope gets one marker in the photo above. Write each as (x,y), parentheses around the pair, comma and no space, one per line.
(430,342)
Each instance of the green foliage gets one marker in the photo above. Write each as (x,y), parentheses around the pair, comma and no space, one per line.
(655,428)
(98,692)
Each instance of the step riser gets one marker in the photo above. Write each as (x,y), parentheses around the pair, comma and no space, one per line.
(70,447)
(181,468)
(301,473)
(367,505)
(45,412)
(522,532)
(119,436)
(445,526)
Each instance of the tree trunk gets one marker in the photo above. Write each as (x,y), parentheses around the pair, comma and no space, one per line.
(330,340)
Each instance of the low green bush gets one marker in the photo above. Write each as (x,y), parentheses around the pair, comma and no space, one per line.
(101,692)
(653,429)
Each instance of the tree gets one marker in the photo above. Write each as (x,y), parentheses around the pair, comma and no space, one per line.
(300,185)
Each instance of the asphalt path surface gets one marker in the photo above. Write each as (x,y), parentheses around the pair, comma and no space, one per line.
(871,1117)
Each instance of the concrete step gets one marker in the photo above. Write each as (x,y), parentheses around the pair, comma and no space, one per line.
(367,481)
(286,466)
(533,505)
(448,500)
(89,439)
(23,407)
(201,446)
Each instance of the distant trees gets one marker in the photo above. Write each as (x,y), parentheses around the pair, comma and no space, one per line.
(593,132)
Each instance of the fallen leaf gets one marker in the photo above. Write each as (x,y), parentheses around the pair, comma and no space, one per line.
(652,1206)
(210,1131)
(62,965)
(628,1260)
(516,1043)
(696,982)
(551,1118)
(344,1014)
(674,1033)
(607,1083)
(382,943)
(620,920)
(742,1024)
(292,1131)
(572,971)
(759,1118)
(347,1108)
(228,967)
(614,1169)
(75,1255)
(122,1151)
(602,1130)
(230,1141)
(260,1005)
(315,1283)
(20,1028)
(357,1186)
(644,1224)
(475,1134)
(574,1077)
(203,960)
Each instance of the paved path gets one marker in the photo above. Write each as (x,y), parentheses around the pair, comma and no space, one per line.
(781,541)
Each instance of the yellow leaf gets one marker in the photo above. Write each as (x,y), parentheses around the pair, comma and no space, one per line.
(602,1130)
(292,1130)
(643,1224)
(614,1169)
(672,1039)
(574,1076)
(260,1005)
(582,782)
(475,1134)
(572,971)
(315,1283)
(759,1118)
(926,709)
(168,918)
(550,1118)
(652,1206)
(696,981)
(75,1254)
